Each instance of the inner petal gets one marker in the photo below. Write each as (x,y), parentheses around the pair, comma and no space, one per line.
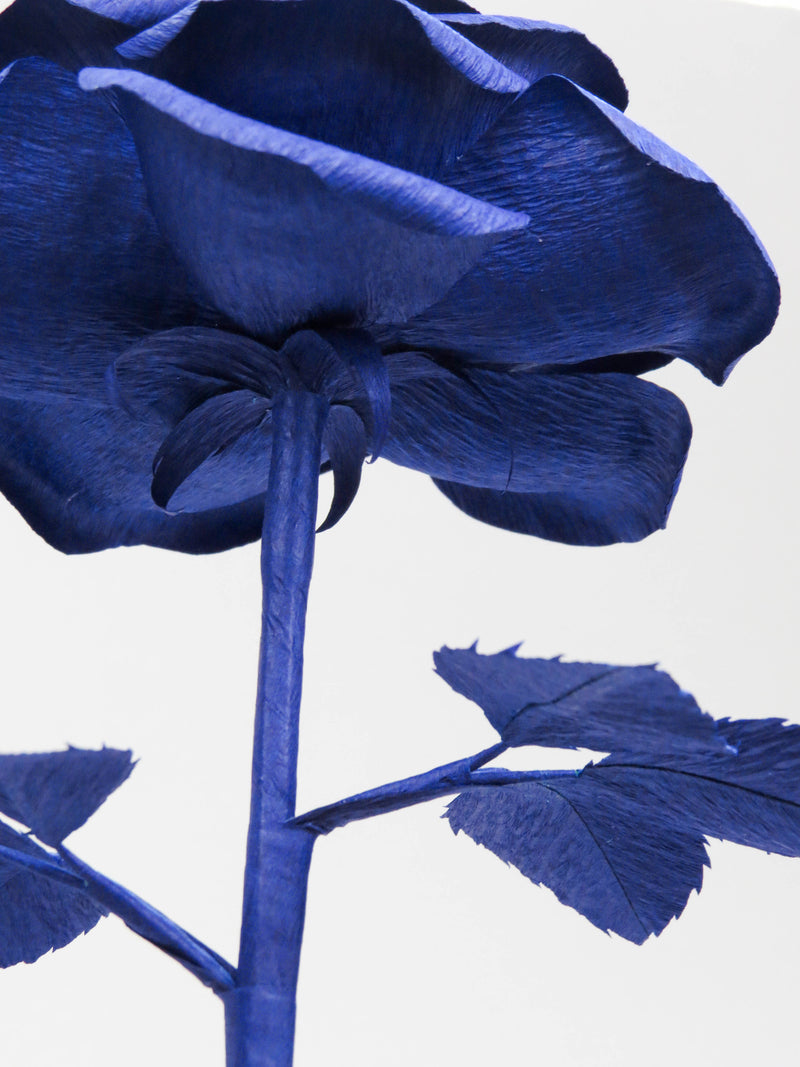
(347,72)
(280,231)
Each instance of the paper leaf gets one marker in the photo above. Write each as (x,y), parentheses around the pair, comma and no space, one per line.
(53,793)
(615,861)
(622,841)
(580,705)
(749,795)
(37,913)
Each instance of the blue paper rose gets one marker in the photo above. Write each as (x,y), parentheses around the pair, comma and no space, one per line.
(440,220)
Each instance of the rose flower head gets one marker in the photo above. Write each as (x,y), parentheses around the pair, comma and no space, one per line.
(440,221)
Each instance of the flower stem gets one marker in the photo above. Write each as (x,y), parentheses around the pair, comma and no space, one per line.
(260,1012)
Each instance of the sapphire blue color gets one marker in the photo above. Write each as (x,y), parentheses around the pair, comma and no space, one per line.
(260,1011)
(54,793)
(615,860)
(47,898)
(453,201)
(580,705)
(622,841)
(38,912)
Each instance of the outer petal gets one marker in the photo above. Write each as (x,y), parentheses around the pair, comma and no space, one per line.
(347,72)
(444,7)
(536,49)
(81,477)
(83,270)
(630,248)
(281,231)
(135,13)
(597,456)
(579,518)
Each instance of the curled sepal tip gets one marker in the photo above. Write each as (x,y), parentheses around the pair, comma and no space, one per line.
(345,441)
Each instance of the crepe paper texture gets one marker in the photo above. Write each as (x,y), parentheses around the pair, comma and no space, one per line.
(56,792)
(47,899)
(580,705)
(247,242)
(39,910)
(209,212)
(621,841)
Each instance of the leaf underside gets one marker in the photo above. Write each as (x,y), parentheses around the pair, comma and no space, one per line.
(623,841)
(38,914)
(580,705)
(54,793)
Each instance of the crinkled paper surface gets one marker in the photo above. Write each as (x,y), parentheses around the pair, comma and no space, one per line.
(713,599)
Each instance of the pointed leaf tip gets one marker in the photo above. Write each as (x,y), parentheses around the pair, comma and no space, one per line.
(54,793)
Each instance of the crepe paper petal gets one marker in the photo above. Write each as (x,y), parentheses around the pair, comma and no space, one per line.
(630,248)
(104,501)
(585,518)
(134,13)
(54,793)
(206,431)
(400,61)
(407,199)
(149,923)
(479,66)
(444,7)
(83,270)
(168,374)
(345,441)
(280,230)
(559,432)
(749,795)
(536,49)
(610,447)
(581,705)
(619,363)
(612,859)
(59,31)
(153,39)
(38,911)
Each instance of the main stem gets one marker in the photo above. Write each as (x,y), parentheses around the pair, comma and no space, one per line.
(260,1012)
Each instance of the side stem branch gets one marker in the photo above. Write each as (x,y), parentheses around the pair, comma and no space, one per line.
(440,782)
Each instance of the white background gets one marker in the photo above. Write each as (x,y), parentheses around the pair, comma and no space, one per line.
(422,948)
